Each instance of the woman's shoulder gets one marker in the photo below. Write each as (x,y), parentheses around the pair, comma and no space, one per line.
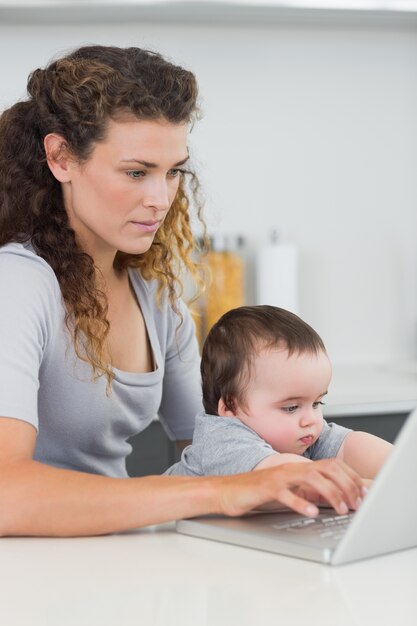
(19,263)
(23,255)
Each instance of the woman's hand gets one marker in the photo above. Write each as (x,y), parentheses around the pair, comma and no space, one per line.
(294,485)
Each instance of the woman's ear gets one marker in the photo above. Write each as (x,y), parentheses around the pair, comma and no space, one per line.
(223,410)
(57,157)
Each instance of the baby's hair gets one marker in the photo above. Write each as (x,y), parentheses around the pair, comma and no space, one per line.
(236,338)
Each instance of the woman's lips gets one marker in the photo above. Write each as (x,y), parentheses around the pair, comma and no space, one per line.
(146,227)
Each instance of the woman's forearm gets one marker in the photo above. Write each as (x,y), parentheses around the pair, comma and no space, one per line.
(40,500)
(36,499)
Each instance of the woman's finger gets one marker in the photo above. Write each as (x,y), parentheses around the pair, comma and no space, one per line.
(297,503)
(313,477)
(346,479)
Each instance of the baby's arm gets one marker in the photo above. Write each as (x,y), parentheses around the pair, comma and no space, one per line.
(365,453)
(278,459)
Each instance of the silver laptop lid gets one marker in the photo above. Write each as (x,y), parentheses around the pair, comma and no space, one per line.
(387,519)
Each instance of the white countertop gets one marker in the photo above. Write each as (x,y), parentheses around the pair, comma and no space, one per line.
(365,389)
(156,577)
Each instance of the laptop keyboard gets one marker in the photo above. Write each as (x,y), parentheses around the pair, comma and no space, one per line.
(333,526)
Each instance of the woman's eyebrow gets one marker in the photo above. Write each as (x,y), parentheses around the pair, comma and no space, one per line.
(150,165)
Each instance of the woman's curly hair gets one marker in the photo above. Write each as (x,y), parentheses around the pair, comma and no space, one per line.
(75,97)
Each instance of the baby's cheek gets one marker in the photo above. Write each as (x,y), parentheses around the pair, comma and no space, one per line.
(279,438)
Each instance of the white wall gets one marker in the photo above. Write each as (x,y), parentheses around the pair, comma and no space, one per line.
(312,129)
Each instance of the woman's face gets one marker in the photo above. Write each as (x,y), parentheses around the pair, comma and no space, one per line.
(120,196)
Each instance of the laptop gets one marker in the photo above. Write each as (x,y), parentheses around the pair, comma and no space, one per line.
(386,521)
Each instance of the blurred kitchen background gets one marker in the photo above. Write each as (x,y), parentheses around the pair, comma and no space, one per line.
(309,127)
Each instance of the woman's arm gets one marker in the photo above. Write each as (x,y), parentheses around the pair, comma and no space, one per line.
(364,452)
(36,499)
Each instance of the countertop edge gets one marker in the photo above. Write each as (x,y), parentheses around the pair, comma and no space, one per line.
(370,408)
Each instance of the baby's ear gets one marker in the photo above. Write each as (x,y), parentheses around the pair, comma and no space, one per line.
(223,410)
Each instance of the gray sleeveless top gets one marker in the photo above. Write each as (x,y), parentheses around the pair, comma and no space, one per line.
(44,383)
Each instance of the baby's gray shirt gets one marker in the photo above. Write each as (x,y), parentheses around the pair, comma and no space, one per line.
(224,445)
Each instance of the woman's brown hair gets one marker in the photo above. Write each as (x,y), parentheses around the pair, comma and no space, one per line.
(74,97)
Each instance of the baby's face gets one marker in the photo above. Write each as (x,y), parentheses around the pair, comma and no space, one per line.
(283,398)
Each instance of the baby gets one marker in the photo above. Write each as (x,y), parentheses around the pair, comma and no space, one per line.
(265,373)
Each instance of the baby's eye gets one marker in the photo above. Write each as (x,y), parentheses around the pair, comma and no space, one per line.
(316,404)
(135,173)
(290,409)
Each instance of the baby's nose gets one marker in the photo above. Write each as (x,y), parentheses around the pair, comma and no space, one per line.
(308,417)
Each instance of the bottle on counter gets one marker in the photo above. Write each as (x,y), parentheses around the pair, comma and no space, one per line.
(226,286)
(277,274)
(194,294)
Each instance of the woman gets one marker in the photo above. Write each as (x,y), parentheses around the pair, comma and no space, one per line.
(95,340)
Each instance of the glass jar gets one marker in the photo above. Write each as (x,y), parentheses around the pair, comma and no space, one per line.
(226,287)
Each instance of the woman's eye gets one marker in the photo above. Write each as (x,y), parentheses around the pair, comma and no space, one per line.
(175,172)
(135,173)
(290,409)
(317,404)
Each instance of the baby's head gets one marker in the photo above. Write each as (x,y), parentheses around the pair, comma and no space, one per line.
(270,369)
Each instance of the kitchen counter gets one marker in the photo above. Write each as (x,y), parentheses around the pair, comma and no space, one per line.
(156,577)
(372,389)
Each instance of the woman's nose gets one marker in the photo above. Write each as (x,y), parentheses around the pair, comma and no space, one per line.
(157,195)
